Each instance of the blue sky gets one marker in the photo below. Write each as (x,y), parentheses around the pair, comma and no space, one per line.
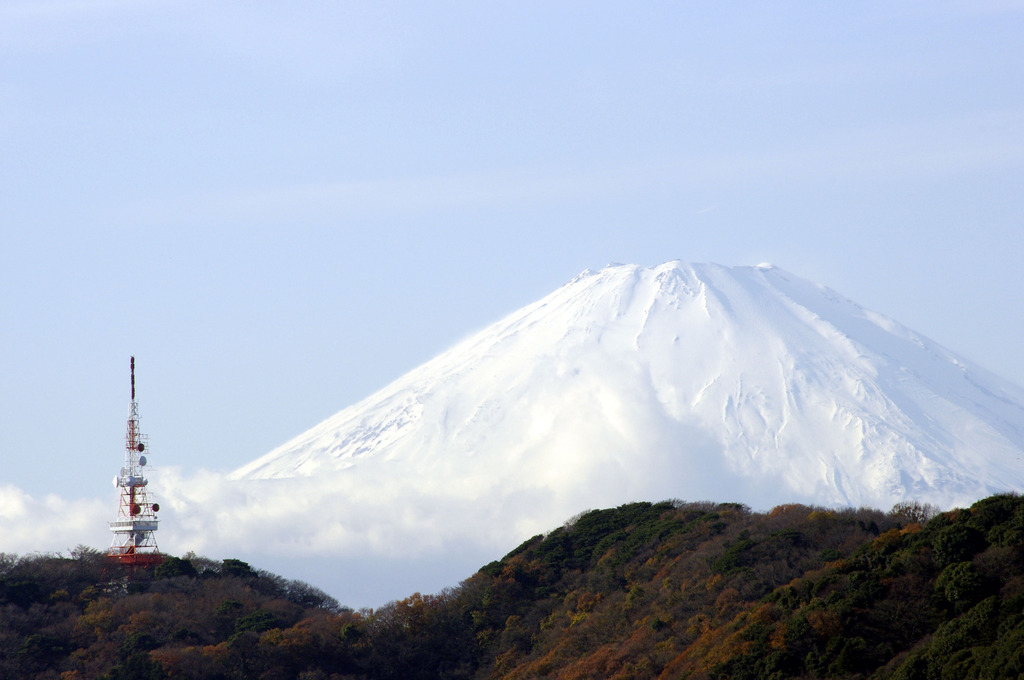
(279,209)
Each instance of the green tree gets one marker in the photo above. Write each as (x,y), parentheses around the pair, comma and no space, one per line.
(174,566)
(959,586)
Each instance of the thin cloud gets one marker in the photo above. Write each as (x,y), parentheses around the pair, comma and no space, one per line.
(940,148)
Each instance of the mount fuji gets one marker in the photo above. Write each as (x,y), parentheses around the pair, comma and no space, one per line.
(694,381)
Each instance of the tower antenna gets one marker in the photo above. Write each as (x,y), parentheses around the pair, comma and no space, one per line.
(134,542)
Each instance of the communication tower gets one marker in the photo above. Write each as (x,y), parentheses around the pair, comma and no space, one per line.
(134,529)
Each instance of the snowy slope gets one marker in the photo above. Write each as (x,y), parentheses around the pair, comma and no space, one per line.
(693,381)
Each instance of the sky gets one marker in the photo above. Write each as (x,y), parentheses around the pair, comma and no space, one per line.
(279,209)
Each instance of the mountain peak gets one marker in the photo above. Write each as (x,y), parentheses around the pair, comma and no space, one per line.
(699,381)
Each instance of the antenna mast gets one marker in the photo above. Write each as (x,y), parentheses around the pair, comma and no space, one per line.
(134,529)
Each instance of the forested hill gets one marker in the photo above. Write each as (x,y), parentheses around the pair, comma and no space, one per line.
(666,590)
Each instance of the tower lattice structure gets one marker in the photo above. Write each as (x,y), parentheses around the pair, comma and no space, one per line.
(135,528)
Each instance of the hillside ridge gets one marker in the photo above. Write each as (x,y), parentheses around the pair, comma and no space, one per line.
(645,590)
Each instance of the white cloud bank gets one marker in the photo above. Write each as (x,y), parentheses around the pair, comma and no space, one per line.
(366,537)
(374,532)
(50,523)
(364,548)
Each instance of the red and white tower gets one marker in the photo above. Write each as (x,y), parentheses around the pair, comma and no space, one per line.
(135,527)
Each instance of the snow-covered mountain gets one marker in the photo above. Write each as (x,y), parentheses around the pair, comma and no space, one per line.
(693,381)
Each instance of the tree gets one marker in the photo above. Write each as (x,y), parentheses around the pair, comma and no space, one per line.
(913,512)
(174,566)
